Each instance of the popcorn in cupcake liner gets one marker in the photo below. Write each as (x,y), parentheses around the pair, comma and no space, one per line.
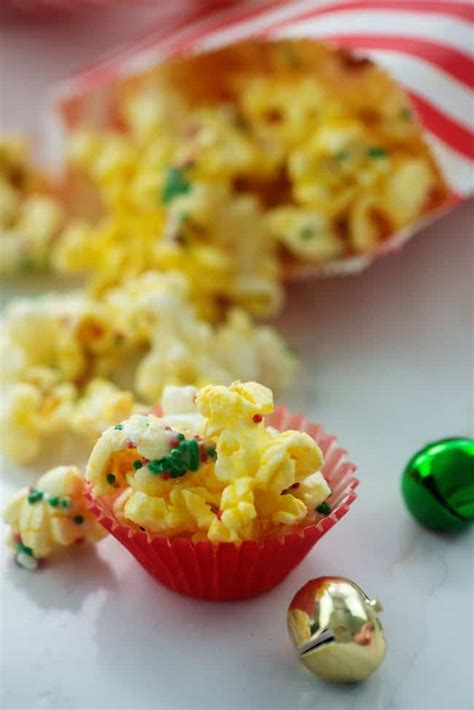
(235,526)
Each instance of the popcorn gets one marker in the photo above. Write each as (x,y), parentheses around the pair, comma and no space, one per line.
(208,468)
(307,233)
(295,151)
(31,217)
(65,351)
(50,515)
(29,414)
(237,513)
(186,221)
(100,405)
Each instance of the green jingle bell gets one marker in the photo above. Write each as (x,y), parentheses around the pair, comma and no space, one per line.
(438,484)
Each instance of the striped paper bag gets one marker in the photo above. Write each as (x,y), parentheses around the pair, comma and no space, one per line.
(426,45)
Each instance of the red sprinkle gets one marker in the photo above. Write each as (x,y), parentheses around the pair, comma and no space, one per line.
(80,540)
(257,418)
(165,476)
(197,437)
(130,444)
(290,488)
(17,538)
(216,511)
(204,457)
(174,443)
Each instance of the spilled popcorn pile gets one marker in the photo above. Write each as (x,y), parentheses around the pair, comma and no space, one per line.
(64,351)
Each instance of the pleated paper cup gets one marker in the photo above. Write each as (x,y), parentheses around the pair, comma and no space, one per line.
(229,571)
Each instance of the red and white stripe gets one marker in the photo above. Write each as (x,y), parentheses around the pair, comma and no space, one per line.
(427,45)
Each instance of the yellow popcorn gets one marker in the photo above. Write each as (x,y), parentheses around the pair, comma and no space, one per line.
(29,414)
(67,349)
(208,467)
(67,332)
(101,404)
(407,189)
(365,217)
(31,216)
(278,509)
(185,216)
(286,148)
(288,459)
(306,233)
(285,108)
(219,148)
(50,515)
(152,110)
(212,176)
(74,252)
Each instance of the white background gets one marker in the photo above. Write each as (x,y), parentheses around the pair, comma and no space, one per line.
(387,366)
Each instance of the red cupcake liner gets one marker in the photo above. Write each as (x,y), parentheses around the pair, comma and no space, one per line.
(226,571)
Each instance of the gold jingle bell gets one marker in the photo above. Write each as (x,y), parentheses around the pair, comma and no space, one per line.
(335,629)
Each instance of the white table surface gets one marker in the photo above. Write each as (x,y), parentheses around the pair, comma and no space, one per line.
(387,366)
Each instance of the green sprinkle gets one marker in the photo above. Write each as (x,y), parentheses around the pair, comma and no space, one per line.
(64,502)
(137,464)
(35,496)
(175,185)
(306,233)
(156,466)
(194,455)
(110,478)
(324,508)
(292,350)
(341,156)
(23,548)
(54,501)
(212,453)
(176,473)
(406,114)
(78,519)
(181,466)
(377,152)
(181,459)
(119,427)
